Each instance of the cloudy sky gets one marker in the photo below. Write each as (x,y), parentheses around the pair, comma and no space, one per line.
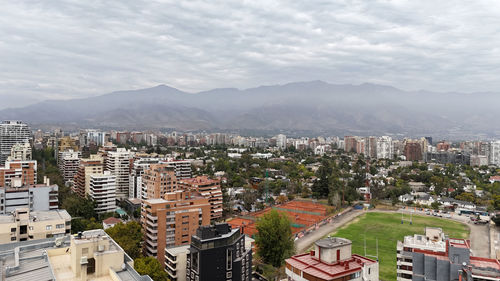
(65,49)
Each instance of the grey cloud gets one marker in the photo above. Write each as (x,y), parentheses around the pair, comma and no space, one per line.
(68,49)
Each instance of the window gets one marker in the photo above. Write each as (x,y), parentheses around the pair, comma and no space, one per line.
(13,238)
(60,225)
(48,227)
(13,229)
(229,259)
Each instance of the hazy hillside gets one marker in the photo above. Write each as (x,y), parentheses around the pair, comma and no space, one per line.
(313,106)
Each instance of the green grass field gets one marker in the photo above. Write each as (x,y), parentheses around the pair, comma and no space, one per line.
(388,229)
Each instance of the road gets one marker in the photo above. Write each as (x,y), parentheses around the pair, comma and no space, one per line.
(303,244)
(479,234)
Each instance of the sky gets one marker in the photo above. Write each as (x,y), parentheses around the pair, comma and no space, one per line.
(73,49)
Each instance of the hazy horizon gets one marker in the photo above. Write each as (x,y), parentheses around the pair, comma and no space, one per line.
(66,50)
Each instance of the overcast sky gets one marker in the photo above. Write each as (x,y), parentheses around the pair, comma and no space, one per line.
(68,49)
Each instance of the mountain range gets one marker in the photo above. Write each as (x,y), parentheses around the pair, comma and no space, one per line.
(316,107)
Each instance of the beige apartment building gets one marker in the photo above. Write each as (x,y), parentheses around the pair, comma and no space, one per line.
(24,225)
(91,255)
(208,188)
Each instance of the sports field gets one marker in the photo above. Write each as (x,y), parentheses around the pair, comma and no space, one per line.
(388,229)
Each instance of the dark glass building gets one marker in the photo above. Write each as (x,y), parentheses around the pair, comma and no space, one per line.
(218,252)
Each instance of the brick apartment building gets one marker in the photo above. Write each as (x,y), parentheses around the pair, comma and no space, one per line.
(172,220)
(208,188)
(18,173)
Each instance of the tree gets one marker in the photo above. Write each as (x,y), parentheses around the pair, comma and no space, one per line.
(274,238)
(79,224)
(79,207)
(128,236)
(152,267)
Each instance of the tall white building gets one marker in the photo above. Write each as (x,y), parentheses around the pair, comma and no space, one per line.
(11,133)
(68,164)
(103,191)
(281,141)
(384,148)
(118,164)
(495,153)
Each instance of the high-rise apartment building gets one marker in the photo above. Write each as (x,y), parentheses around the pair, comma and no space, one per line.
(18,173)
(182,168)
(331,260)
(118,164)
(20,152)
(69,160)
(87,167)
(102,189)
(494,157)
(384,148)
(135,179)
(170,221)
(158,180)
(281,141)
(350,144)
(208,188)
(218,252)
(433,256)
(66,143)
(413,150)
(11,133)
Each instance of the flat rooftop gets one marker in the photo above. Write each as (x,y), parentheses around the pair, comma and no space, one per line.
(39,216)
(332,242)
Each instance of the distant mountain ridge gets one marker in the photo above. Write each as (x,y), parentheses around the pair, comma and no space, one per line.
(314,106)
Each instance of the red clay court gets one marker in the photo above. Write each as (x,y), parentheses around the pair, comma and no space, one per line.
(302,214)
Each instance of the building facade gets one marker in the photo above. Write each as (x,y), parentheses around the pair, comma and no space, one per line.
(433,256)
(118,164)
(218,252)
(12,133)
(41,197)
(102,189)
(158,180)
(208,188)
(176,262)
(18,173)
(69,161)
(86,168)
(20,152)
(171,221)
(23,224)
(331,260)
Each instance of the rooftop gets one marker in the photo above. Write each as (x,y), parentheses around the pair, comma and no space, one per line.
(50,259)
(311,265)
(39,216)
(332,242)
(178,250)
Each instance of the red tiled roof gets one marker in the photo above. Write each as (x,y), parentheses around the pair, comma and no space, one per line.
(309,264)
(111,220)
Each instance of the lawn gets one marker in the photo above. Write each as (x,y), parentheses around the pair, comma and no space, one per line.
(388,229)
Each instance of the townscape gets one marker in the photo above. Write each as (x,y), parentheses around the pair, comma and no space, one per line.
(198,206)
(303,140)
